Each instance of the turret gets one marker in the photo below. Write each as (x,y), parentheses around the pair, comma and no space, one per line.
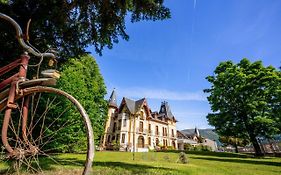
(196,132)
(112,102)
(165,111)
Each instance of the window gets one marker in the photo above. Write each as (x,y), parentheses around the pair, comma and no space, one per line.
(114,127)
(157,141)
(140,142)
(142,115)
(117,138)
(119,124)
(149,128)
(174,144)
(163,131)
(149,141)
(156,130)
(124,122)
(123,138)
(173,133)
(141,127)
(108,138)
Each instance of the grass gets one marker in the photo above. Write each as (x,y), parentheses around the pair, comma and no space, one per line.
(157,163)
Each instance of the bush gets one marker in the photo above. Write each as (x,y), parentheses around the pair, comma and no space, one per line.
(170,148)
(182,158)
(188,147)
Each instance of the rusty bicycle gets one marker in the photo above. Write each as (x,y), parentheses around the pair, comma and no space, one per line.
(40,122)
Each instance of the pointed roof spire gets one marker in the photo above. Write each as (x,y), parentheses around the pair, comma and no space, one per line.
(112,99)
(166,111)
(196,132)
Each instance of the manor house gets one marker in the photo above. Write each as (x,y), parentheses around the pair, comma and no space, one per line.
(134,127)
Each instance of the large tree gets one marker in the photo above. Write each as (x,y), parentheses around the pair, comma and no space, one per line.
(246,100)
(72,25)
(82,79)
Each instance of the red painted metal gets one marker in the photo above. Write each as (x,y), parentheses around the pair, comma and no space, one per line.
(11,98)
(9,67)
(24,120)
(8,81)
(24,63)
(10,105)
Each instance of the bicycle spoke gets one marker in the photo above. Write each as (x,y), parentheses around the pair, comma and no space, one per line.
(45,112)
(52,123)
(33,112)
(44,154)
(54,134)
(55,125)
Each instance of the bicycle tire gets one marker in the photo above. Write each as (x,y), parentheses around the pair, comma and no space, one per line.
(69,137)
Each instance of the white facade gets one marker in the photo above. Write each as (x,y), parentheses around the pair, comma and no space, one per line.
(133,127)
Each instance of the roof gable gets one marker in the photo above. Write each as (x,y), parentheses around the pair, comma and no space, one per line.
(133,106)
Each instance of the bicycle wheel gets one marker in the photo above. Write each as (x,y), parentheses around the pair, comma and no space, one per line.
(58,138)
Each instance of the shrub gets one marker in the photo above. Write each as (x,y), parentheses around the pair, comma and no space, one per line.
(182,158)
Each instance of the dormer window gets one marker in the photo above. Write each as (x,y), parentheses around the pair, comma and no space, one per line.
(163,109)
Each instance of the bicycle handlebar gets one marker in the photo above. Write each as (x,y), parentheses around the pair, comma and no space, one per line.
(20,38)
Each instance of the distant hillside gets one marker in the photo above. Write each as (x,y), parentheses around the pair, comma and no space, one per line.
(206,133)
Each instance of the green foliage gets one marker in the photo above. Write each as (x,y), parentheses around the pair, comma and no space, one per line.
(245,99)
(170,148)
(116,146)
(3,1)
(182,158)
(228,140)
(73,25)
(188,147)
(82,79)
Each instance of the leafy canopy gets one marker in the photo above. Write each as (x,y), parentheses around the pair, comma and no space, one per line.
(245,99)
(72,25)
(82,79)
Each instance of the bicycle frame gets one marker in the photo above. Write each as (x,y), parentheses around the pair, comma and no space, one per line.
(13,91)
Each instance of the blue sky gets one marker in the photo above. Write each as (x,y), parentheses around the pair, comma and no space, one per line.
(169,60)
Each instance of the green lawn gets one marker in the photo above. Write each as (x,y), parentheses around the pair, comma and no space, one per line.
(121,163)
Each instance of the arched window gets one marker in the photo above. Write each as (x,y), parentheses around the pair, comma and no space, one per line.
(114,127)
(174,144)
(108,138)
(149,141)
(157,141)
(140,142)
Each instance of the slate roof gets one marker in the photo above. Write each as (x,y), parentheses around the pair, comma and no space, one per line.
(165,111)
(112,99)
(134,106)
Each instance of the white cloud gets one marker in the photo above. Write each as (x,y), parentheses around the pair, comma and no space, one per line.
(162,94)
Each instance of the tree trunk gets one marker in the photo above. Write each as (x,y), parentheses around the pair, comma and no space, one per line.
(258,151)
(253,139)
(236,148)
